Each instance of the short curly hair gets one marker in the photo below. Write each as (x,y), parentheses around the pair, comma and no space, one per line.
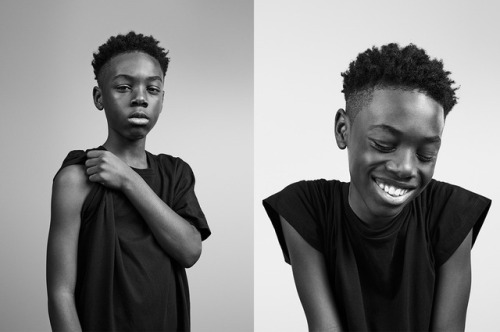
(131,42)
(392,66)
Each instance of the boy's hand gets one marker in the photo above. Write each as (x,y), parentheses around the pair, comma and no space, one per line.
(107,169)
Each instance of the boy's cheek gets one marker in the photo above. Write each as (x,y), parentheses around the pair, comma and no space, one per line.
(428,173)
(361,166)
(366,159)
(373,158)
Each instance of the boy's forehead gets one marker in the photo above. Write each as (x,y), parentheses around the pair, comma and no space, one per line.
(401,108)
(132,64)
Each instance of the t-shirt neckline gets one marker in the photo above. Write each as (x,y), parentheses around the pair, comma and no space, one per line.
(365,229)
(141,171)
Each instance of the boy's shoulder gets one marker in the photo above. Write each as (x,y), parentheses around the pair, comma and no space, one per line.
(317,191)
(72,167)
(322,185)
(440,189)
(70,186)
(74,175)
(165,158)
(170,163)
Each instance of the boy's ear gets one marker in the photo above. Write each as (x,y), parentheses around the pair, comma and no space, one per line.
(97,96)
(342,126)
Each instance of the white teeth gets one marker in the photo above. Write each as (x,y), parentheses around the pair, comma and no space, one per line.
(393,191)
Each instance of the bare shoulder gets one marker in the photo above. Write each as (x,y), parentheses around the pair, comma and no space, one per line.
(69,191)
(70,188)
(72,177)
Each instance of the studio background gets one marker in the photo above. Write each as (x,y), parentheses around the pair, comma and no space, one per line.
(301,47)
(207,119)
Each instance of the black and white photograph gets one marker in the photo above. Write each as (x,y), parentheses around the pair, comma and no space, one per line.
(249,165)
(136,262)
(349,269)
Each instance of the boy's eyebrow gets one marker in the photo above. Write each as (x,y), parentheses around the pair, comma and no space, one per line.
(396,132)
(129,77)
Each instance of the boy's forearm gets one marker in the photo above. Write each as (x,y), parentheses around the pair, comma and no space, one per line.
(62,313)
(176,236)
(311,280)
(453,283)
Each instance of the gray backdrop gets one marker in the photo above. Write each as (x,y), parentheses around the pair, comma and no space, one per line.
(46,85)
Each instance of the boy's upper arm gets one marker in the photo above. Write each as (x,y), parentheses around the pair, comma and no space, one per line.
(69,190)
(453,281)
(311,280)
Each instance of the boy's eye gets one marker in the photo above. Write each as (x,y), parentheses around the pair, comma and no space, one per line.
(425,159)
(154,90)
(122,88)
(382,147)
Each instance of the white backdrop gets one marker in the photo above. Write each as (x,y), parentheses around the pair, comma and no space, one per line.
(301,47)
(46,85)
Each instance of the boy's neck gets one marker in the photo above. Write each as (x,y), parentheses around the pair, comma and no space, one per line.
(132,153)
(363,214)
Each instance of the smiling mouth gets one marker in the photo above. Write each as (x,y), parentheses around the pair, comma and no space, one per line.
(393,193)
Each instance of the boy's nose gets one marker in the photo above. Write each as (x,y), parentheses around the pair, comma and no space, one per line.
(139,99)
(402,165)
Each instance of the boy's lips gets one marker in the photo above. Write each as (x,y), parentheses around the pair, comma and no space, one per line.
(393,192)
(138,121)
(138,114)
(138,118)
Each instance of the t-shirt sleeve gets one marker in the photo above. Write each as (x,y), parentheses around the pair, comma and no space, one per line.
(185,202)
(76,157)
(454,212)
(297,205)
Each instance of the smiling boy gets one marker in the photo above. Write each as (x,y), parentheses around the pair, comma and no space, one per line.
(125,223)
(390,250)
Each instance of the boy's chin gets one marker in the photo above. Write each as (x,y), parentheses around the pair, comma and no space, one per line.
(139,133)
(384,206)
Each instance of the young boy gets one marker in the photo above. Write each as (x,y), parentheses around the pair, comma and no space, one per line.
(389,251)
(125,223)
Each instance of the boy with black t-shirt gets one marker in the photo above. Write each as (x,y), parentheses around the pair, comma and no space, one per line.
(389,251)
(124,223)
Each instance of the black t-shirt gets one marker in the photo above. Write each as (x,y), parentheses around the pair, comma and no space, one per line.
(382,279)
(125,280)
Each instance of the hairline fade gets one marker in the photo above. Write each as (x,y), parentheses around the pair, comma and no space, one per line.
(391,66)
(129,43)
(358,100)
